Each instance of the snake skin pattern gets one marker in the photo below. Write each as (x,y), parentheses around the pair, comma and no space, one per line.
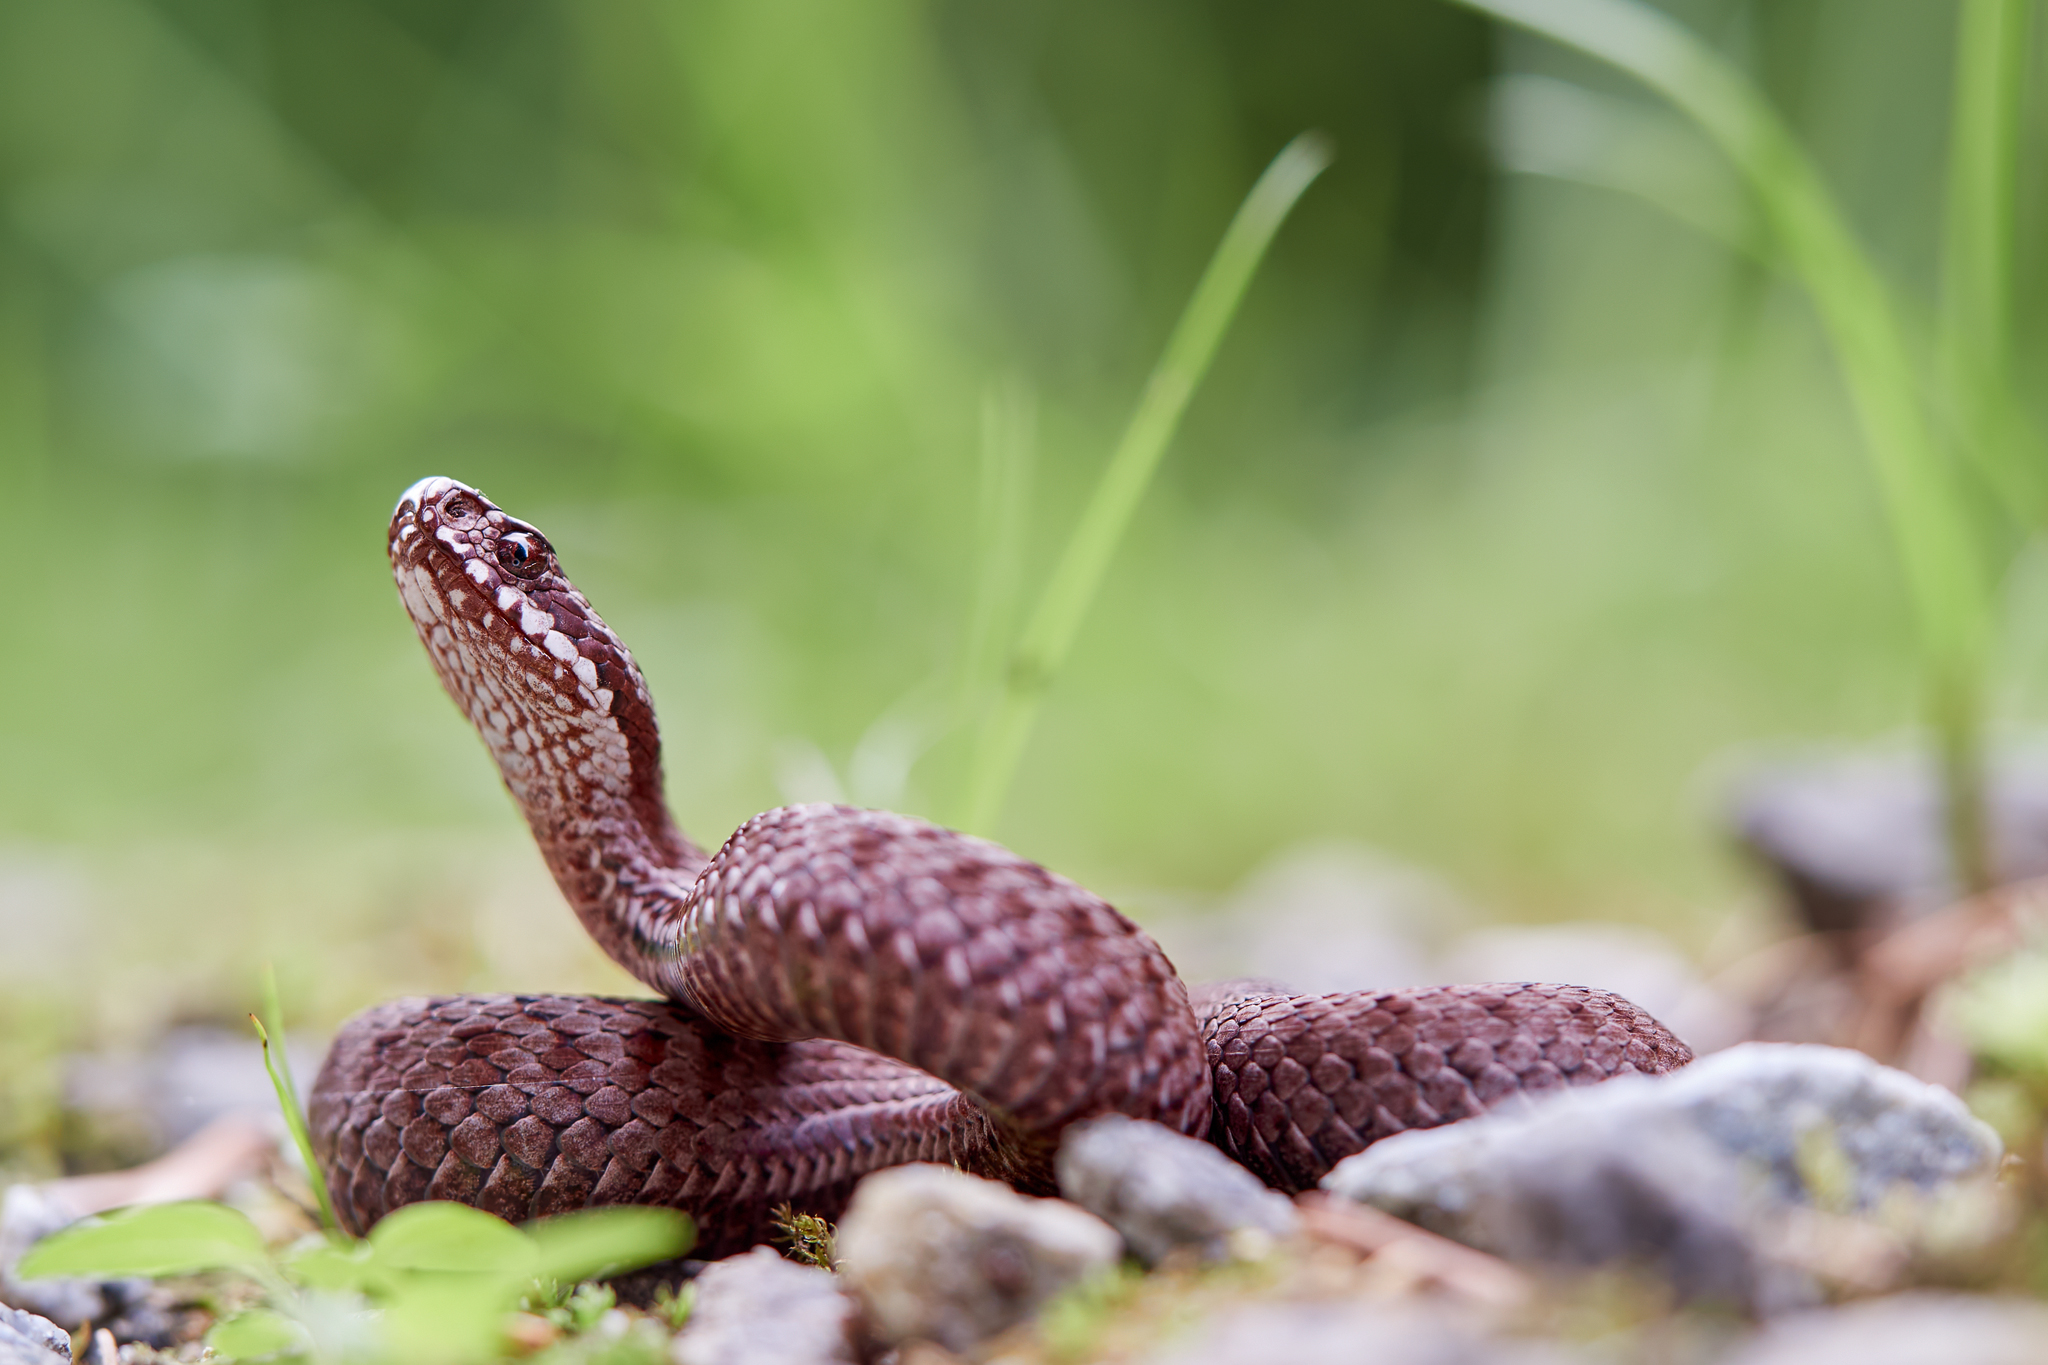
(843,990)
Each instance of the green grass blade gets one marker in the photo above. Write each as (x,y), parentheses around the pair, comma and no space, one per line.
(1973,343)
(280,1068)
(1009,422)
(1947,579)
(1049,634)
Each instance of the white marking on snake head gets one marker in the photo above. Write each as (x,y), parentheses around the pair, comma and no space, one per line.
(535,622)
(423,492)
(415,600)
(560,645)
(479,573)
(587,671)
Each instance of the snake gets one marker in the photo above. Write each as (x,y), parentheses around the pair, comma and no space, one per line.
(837,990)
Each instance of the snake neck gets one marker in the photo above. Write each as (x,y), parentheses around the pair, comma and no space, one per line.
(562,708)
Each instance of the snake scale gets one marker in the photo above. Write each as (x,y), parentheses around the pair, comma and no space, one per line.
(839,990)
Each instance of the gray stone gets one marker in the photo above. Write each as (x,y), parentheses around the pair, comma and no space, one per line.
(134,1308)
(28,1214)
(1163,1191)
(939,1255)
(759,1309)
(1906,1329)
(1761,1101)
(1683,1172)
(1857,838)
(26,1339)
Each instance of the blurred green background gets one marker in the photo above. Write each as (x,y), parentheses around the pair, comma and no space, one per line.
(1521,501)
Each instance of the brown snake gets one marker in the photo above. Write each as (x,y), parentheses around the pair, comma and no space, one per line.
(841,989)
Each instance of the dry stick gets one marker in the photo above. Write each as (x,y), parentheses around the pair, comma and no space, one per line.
(1050,633)
(1937,540)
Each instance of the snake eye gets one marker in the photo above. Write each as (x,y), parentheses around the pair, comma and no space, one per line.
(523,553)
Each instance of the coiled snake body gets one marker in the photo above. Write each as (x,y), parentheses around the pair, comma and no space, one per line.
(840,989)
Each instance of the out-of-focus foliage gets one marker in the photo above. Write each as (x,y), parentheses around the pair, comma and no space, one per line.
(1511,503)
(433,1282)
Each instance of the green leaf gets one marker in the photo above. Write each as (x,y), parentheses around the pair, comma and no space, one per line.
(258,1332)
(445,1237)
(447,1318)
(338,1264)
(161,1239)
(593,1242)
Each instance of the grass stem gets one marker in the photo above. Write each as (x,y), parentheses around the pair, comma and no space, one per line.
(1972,344)
(280,1068)
(1938,541)
(1049,634)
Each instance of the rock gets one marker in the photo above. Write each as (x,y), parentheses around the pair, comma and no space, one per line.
(1857,838)
(1906,1329)
(1760,1102)
(1162,1190)
(759,1309)
(939,1255)
(26,1339)
(28,1214)
(1345,1331)
(1683,1171)
(136,1309)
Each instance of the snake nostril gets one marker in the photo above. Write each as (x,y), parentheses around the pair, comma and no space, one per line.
(458,511)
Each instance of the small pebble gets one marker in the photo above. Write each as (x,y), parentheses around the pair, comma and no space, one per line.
(26,1339)
(939,1255)
(1163,1191)
(136,1309)
(759,1309)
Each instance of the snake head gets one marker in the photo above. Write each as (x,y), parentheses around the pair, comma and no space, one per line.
(489,547)
(493,607)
